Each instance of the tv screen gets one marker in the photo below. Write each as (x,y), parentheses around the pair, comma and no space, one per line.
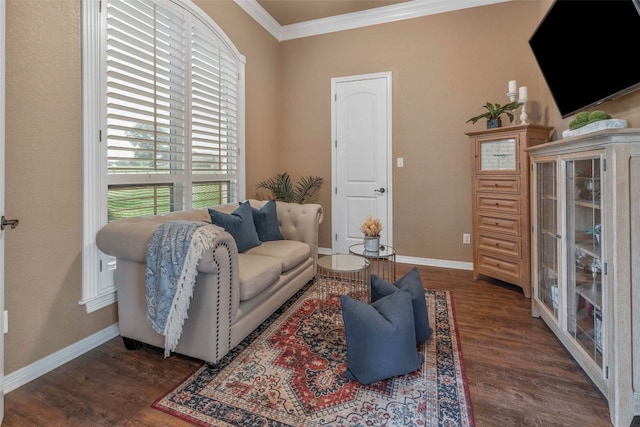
(588,51)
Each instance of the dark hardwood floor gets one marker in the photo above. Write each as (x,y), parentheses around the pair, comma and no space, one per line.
(519,374)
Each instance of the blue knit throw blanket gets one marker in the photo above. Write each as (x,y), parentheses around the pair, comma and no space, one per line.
(173,253)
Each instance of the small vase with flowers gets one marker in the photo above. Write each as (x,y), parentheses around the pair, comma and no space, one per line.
(371,228)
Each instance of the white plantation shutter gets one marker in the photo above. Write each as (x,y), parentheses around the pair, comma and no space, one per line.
(146,86)
(214,110)
(163,121)
(172,103)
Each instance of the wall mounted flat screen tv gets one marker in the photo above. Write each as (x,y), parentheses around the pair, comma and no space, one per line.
(588,51)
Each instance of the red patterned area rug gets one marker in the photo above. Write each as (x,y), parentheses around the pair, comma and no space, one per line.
(289,372)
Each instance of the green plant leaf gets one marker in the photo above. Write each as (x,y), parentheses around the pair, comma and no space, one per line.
(496,110)
(281,187)
(306,188)
(476,118)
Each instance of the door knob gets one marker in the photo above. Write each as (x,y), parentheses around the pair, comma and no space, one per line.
(11,222)
(380,190)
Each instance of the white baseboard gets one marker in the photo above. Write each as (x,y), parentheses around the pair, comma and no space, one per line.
(31,372)
(431,262)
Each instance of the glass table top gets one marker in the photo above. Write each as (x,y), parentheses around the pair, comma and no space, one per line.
(384,252)
(343,263)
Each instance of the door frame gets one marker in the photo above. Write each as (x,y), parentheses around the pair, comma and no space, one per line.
(389,186)
(2,159)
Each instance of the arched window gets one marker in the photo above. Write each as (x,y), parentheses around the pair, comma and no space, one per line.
(164,119)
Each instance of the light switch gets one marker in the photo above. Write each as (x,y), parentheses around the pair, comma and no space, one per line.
(400,162)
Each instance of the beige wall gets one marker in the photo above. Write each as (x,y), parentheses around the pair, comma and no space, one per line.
(445,67)
(43,264)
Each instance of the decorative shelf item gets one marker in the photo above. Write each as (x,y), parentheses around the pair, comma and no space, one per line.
(596,126)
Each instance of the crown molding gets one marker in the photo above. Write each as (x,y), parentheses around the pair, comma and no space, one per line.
(261,16)
(348,21)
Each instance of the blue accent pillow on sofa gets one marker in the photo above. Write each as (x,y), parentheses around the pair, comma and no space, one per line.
(239,224)
(412,282)
(381,340)
(266,221)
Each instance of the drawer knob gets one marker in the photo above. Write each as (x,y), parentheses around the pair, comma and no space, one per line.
(497,245)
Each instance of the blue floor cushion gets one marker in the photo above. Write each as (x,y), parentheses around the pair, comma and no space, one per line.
(412,282)
(381,340)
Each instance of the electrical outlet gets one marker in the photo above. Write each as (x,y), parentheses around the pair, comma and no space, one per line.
(466,239)
(400,161)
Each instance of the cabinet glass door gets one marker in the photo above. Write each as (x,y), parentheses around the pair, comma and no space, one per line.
(497,155)
(548,235)
(584,275)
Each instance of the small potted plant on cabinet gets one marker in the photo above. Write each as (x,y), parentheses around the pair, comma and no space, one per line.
(494,111)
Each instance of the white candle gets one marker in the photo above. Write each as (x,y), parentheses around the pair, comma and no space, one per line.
(523,92)
(512,86)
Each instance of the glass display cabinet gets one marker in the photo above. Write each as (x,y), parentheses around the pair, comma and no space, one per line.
(584,254)
(548,236)
(567,199)
(585,257)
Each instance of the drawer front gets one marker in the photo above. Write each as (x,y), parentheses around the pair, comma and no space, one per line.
(491,202)
(500,268)
(498,184)
(498,224)
(500,246)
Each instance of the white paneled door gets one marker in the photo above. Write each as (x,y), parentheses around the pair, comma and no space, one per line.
(361,157)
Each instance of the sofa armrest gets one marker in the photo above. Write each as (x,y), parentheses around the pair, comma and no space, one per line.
(128,239)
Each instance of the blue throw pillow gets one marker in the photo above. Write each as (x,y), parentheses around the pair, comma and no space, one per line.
(412,282)
(381,340)
(266,222)
(239,224)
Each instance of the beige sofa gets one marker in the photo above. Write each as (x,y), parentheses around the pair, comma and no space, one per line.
(234,292)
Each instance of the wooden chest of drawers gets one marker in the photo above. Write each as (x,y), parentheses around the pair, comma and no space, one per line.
(501,226)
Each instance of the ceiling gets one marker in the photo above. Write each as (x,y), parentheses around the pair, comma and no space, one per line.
(287,12)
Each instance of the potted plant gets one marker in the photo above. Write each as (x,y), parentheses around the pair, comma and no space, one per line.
(494,111)
(282,188)
(371,228)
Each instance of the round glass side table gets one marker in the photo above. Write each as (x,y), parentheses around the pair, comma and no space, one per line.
(339,275)
(383,261)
